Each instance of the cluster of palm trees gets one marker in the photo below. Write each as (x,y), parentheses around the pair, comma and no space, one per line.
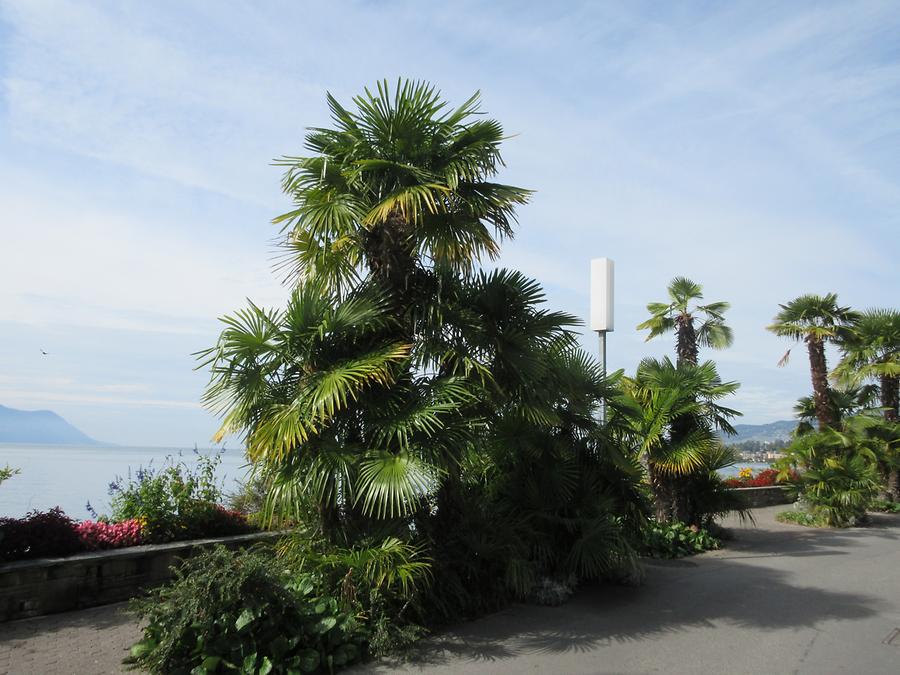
(403,393)
(855,450)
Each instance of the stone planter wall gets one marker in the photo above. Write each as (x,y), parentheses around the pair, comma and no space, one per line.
(46,585)
(758,497)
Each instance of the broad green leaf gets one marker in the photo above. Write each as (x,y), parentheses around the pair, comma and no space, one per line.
(143,648)
(246,617)
(326,624)
(309,660)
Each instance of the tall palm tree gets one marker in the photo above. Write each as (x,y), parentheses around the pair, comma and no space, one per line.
(402,183)
(681,316)
(871,351)
(846,402)
(815,320)
(665,394)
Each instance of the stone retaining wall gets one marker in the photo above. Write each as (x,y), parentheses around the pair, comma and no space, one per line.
(758,497)
(46,585)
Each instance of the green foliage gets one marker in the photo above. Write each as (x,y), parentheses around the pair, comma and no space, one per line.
(244,612)
(400,179)
(383,579)
(813,316)
(6,473)
(675,540)
(839,468)
(674,416)
(679,315)
(804,518)
(174,501)
(884,506)
(871,348)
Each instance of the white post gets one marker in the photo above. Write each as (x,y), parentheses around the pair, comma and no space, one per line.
(602,316)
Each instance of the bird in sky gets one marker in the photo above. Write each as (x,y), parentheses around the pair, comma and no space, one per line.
(44,353)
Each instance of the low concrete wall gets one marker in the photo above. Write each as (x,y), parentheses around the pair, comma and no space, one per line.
(758,497)
(46,585)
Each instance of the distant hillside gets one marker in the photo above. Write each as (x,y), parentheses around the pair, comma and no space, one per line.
(39,426)
(763,433)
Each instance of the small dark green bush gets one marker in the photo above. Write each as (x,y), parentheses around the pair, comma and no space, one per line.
(885,506)
(676,540)
(242,612)
(39,534)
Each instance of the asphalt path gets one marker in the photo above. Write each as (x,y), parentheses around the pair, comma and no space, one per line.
(779,599)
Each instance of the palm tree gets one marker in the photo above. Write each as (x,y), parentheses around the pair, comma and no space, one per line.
(681,316)
(401,184)
(403,394)
(665,394)
(844,403)
(871,351)
(815,320)
(839,466)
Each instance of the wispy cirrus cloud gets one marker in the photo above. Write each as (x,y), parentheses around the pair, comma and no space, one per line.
(749,146)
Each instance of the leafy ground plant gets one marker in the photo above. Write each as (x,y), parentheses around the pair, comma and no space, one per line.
(676,540)
(242,612)
(884,506)
(804,518)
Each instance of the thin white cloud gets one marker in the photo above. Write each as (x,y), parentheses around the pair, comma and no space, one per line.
(21,397)
(752,148)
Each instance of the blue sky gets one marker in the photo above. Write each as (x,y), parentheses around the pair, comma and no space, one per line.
(750,146)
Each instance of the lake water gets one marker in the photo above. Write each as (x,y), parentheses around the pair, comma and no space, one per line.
(70,476)
(733,470)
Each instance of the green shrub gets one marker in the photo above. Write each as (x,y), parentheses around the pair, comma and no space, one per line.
(884,506)
(839,469)
(243,612)
(175,501)
(383,579)
(676,540)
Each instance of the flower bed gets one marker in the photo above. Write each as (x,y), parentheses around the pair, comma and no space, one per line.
(52,533)
(174,502)
(765,478)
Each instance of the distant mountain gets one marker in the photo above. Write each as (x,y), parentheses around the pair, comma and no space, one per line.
(39,426)
(764,433)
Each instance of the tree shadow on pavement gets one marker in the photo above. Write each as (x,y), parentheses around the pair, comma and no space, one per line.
(722,588)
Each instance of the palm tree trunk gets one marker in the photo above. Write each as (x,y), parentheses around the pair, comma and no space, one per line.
(890,401)
(663,495)
(392,259)
(686,341)
(890,397)
(687,353)
(819,372)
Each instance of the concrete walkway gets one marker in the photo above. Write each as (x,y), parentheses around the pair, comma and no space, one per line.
(87,642)
(779,599)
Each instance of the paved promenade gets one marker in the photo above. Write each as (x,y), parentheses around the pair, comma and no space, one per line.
(779,599)
(87,642)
